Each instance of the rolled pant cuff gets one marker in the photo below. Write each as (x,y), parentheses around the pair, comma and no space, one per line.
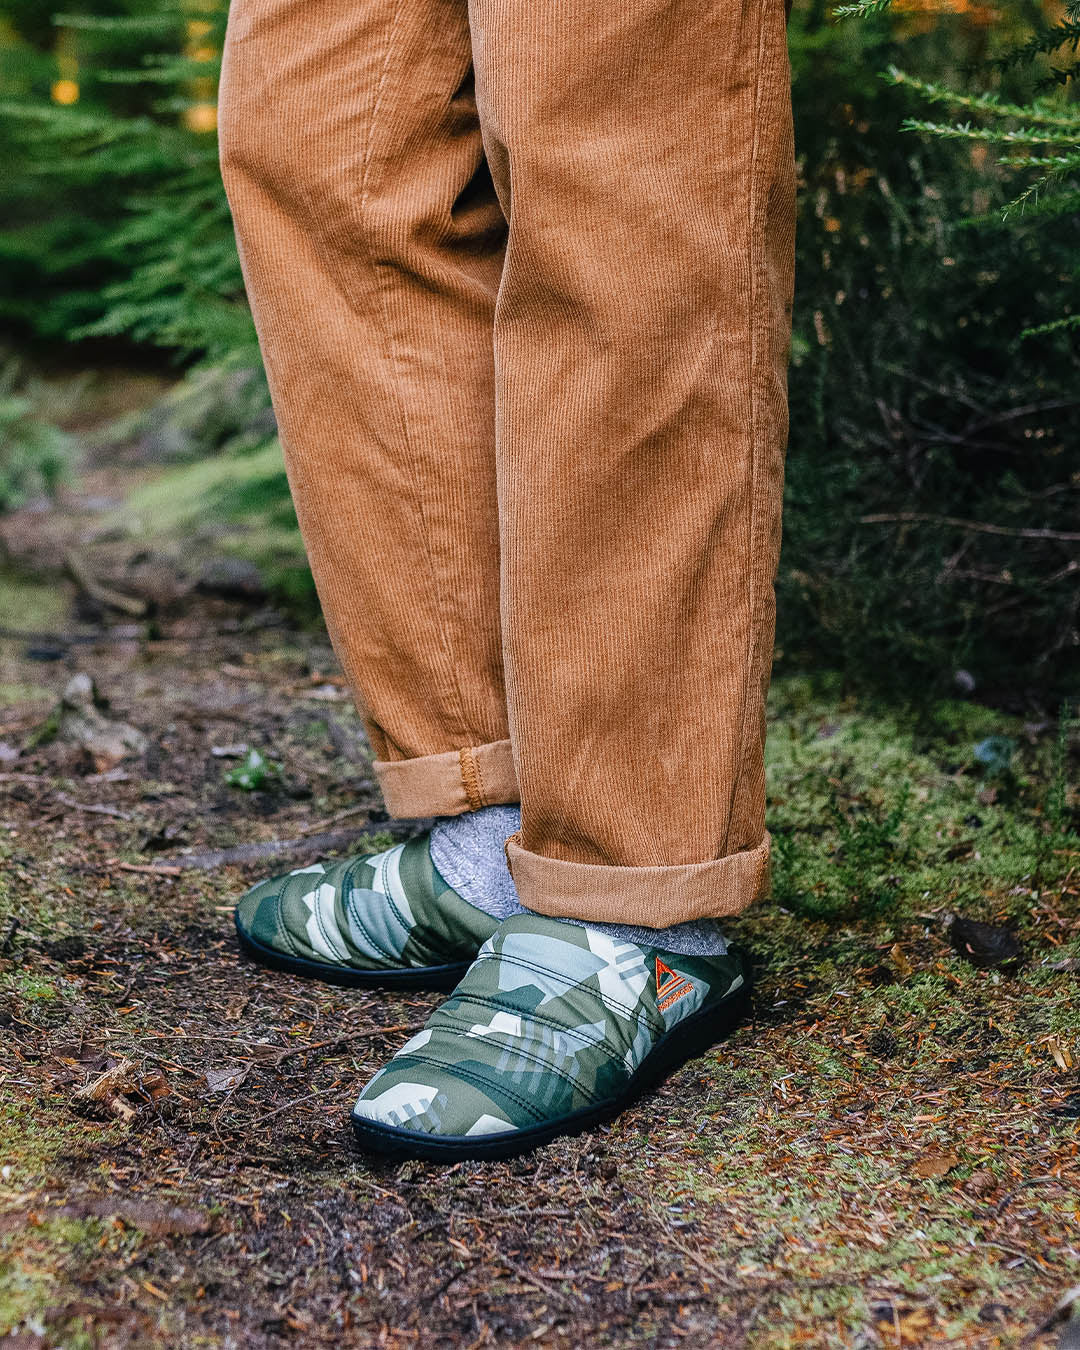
(449,784)
(648,897)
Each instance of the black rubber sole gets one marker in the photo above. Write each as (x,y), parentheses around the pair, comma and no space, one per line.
(414,977)
(684,1041)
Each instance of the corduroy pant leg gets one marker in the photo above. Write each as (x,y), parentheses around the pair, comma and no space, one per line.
(372,247)
(642,151)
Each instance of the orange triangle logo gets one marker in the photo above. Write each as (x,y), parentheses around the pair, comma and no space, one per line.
(666,978)
(670,986)
(662,971)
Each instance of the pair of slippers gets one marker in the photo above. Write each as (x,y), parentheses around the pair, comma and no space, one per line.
(550,1028)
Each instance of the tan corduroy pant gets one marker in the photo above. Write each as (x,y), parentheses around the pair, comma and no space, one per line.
(522,273)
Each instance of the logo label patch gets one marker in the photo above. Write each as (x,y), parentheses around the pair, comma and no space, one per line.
(670,986)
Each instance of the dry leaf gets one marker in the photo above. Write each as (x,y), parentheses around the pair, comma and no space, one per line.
(155,1085)
(224,1080)
(900,961)
(934,1164)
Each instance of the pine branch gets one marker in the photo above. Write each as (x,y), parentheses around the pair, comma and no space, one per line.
(1056,326)
(1030,194)
(174,73)
(964,131)
(861,9)
(164,25)
(1059,163)
(1044,42)
(1035,113)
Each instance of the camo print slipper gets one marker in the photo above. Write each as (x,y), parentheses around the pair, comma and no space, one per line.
(554,1029)
(380,919)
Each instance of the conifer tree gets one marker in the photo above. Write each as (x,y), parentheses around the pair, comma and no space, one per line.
(119,224)
(1038,140)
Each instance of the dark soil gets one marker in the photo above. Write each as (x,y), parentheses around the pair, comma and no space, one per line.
(886,1154)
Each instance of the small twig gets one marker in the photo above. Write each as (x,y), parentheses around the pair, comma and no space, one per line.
(976,526)
(146,868)
(366,1034)
(227,1099)
(536,1213)
(450,1279)
(319,1092)
(718,1277)
(106,635)
(272,848)
(177,1068)
(546,1287)
(334,820)
(93,807)
(1007,1200)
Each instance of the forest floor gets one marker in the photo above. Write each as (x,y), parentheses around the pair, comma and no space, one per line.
(885,1154)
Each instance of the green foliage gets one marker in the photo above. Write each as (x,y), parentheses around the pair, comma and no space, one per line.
(1040,133)
(935,451)
(877,812)
(1060,835)
(935,419)
(35,455)
(868,848)
(254,772)
(236,501)
(218,409)
(117,223)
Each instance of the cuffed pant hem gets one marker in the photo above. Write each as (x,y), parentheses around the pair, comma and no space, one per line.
(449,784)
(648,897)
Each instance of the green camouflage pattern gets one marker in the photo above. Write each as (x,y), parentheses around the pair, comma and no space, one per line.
(387,911)
(550,1019)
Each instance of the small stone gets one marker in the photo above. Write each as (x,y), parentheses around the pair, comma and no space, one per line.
(983,944)
(80,692)
(157,579)
(80,721)
(233,578)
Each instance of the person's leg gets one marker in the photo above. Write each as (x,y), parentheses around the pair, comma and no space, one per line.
(372,246)
(643,156)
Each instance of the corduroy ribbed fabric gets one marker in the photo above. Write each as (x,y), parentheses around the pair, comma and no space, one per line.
(522,277)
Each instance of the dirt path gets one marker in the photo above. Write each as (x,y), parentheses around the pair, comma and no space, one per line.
(886,1155)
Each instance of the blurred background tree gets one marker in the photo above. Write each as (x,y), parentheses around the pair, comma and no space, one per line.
(117,224)
(934,467)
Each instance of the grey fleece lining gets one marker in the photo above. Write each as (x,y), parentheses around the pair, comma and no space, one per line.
(468,852)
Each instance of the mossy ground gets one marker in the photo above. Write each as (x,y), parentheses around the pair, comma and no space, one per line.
(886,1154)
(240,501)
